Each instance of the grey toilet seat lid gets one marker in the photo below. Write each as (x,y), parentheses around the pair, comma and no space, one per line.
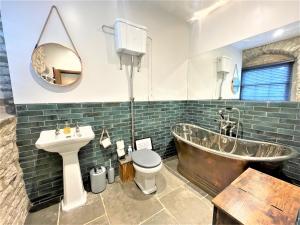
(146,158)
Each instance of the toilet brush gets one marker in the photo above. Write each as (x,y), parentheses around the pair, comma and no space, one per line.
(110,173)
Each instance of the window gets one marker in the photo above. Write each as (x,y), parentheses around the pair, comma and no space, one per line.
(268,83)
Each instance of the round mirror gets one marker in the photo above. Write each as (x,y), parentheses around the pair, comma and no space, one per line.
(56,64)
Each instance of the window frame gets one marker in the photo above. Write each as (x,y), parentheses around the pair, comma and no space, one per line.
(291,62)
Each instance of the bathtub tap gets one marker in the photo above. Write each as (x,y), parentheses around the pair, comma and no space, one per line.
(231,130)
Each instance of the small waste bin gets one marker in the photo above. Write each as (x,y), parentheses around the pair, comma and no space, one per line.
(98,179)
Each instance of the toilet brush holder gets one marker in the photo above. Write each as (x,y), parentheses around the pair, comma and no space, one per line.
(110,173)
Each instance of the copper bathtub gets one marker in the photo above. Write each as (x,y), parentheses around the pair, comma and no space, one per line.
(204,158)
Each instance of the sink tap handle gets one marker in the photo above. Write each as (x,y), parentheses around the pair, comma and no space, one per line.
(77,128)
(57,130)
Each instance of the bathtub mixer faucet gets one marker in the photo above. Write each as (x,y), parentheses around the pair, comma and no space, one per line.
(227,126)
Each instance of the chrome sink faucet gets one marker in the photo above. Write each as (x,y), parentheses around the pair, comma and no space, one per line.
(77,130)
(57,130)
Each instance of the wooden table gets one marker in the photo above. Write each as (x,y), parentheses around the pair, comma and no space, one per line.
(126,169)
(257,198)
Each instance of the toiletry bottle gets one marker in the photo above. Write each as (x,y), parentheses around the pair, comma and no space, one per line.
(129,151)
(67,128)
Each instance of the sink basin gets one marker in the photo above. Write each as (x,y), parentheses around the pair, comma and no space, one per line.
(68,147)
(64,143)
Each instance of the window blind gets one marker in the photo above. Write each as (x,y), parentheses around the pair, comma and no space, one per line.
(268,83)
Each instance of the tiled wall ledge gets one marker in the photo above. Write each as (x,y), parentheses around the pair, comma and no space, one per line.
(43,170)
(6,95)
(266,121)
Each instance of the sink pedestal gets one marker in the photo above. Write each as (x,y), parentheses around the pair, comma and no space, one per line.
(68,147)
(74,193)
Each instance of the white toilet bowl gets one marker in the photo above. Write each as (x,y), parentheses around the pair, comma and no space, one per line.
(147,164)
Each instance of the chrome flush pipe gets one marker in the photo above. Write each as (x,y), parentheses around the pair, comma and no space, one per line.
(132,102)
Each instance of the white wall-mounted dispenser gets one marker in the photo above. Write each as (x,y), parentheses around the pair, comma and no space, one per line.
(223,64)
(130,38)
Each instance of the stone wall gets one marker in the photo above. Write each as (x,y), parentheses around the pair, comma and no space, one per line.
(6,96)
(277,52)
(13,198)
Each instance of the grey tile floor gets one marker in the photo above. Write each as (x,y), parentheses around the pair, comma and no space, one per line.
(177,201)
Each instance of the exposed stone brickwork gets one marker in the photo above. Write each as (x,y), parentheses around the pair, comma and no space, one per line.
(277,52)
(13,197)
(266,59)
(6,96)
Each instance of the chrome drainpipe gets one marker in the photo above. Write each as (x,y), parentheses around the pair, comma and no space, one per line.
(132,102)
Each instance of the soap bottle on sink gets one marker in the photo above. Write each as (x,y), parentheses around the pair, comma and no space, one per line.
(67,128)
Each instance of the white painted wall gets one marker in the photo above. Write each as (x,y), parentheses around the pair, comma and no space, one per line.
(203,78)
(173,46)
(240,19)
(101,79)
(236,21)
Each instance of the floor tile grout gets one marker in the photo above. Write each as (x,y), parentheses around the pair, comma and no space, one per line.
(203,196)
(94,219)
(179,183)
(173,189)
(192,191)
(186,183)
(179,176)
(151,216)
(58,214)
(197,196)
(168,211)
(186,188)
(163,206)
(176,172)
(102,199)
(201,199)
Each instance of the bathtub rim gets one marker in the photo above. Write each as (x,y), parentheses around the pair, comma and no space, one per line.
(293,153)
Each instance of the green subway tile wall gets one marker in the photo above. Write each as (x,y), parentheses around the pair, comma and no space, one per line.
(276,122)
(6,95)
(266,121)
(43,170)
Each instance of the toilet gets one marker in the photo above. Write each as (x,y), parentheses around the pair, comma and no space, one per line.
(147,164)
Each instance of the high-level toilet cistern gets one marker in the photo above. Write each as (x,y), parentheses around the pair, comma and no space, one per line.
(131,40)
(147,164)
(67,142)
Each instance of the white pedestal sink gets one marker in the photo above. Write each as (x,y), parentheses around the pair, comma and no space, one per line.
(68,147)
